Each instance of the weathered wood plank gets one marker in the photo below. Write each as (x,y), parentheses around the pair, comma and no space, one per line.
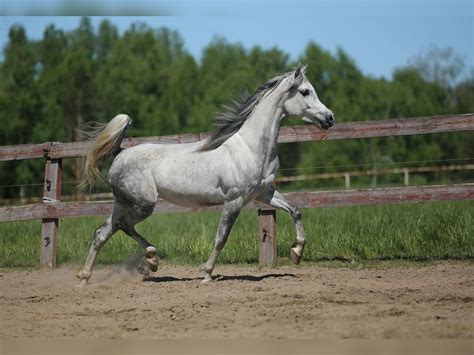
(382,128)
(81,209)
(267,235)
(289,134)
(49,227)
(302,199)
(395,195)
(24,151)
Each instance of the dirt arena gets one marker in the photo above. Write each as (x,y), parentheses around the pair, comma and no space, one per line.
(311,301)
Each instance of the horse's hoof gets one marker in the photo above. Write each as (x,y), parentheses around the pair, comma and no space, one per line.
(152,264)
(206,280)
(82,275)
(151,258)
(294,256)
(82,284)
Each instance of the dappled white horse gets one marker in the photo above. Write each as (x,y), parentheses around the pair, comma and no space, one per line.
(235,165)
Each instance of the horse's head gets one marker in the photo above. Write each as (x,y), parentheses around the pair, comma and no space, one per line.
(303,101)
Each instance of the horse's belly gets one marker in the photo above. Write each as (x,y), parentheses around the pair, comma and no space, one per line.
(191,198)
(190,188)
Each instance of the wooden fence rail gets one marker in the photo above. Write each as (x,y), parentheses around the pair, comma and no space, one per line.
(289,134)
(340,198)
(52,209)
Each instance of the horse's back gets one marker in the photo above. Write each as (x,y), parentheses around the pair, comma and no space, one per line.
(178,173)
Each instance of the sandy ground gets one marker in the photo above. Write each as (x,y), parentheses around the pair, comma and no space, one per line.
(433,301)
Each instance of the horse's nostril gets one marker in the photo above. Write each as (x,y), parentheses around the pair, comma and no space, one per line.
(330,118)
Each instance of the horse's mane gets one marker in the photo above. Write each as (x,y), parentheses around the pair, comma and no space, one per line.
(234,115)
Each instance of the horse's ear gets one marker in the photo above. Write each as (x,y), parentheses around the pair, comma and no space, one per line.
(300,70)
(298,74)
(303,69)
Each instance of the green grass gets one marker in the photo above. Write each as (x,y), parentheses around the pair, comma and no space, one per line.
(430,231)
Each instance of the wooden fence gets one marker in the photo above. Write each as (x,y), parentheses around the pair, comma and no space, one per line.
(53,152)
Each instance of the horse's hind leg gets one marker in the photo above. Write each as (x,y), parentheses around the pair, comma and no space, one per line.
(150,249)
(126,224)
(101,235)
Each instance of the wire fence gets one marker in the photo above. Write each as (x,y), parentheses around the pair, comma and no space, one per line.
(297,169)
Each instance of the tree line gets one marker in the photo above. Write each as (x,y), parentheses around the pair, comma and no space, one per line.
(51,87)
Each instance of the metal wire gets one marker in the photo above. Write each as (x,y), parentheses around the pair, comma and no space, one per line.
(40,184)
(70,182)
(376,164)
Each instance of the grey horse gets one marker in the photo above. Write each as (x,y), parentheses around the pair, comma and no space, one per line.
(235,165)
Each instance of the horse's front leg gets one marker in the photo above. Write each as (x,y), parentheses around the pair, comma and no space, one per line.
(229,215)
(277,200)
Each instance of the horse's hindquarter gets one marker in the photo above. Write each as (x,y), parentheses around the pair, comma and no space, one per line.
(130,175)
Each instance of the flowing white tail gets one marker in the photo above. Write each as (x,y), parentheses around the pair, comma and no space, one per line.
(106,140)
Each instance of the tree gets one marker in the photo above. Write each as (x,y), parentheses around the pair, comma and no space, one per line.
(224,71)
(137,77)
(439,65)
(179,98)
(51,51)
(106,40)
(20,104)
(19,88)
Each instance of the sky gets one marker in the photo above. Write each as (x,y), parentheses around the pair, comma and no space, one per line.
(378,35)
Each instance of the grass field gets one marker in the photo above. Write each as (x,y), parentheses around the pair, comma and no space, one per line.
(429,231)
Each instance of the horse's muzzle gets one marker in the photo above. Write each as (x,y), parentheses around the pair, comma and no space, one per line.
(328,121)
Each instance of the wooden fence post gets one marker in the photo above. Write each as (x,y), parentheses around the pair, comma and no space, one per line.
(267,236)
(406,177)
(347,180)
(49,229)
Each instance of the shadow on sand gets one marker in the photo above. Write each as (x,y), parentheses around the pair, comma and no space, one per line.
(217,278)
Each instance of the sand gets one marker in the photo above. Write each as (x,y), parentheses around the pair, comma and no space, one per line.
(309,301)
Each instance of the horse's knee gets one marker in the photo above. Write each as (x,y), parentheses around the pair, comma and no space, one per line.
(100,237)
(296,213)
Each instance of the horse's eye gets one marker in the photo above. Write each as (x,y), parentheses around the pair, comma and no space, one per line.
(304,92)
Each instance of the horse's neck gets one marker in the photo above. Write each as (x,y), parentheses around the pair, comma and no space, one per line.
(260,132)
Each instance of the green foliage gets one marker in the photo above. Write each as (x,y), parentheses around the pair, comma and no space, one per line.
(51,87)
(439,65)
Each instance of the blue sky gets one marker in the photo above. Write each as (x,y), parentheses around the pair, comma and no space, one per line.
(379,35)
